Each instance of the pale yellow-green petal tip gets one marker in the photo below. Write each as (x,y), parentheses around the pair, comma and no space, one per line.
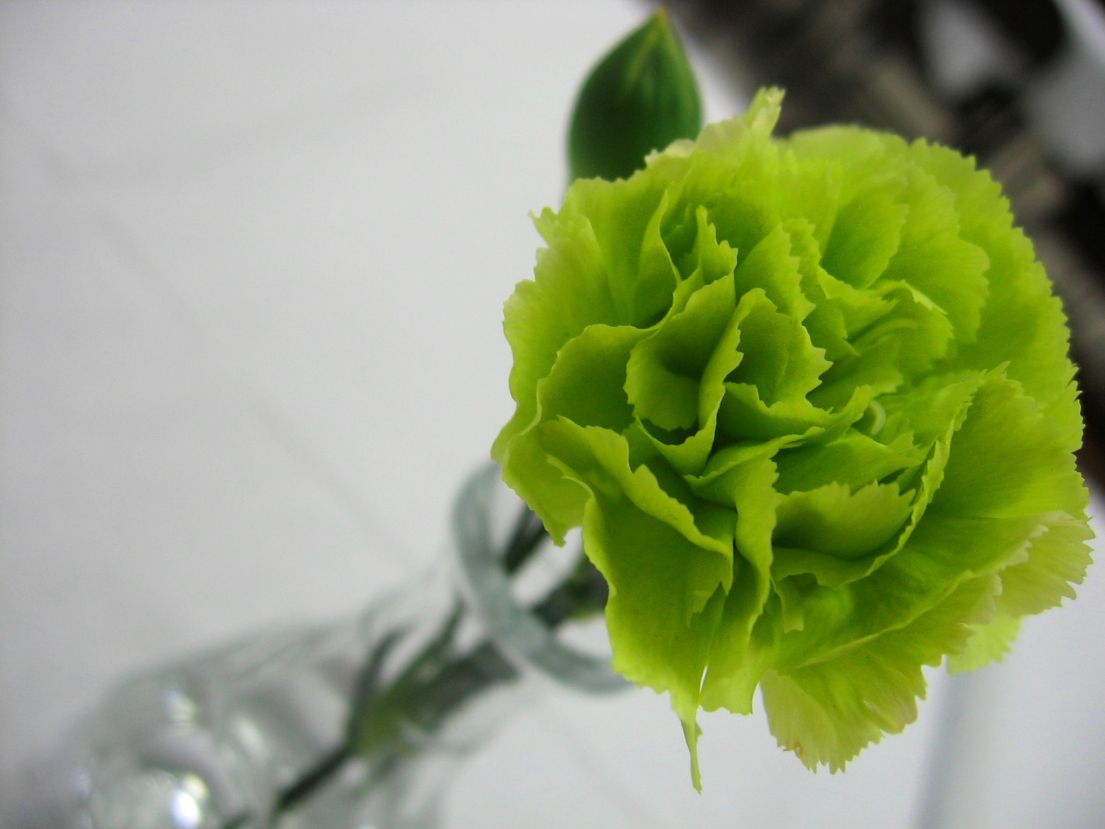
(691,733)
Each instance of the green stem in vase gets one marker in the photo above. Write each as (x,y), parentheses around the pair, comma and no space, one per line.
(321,772)
(389,715)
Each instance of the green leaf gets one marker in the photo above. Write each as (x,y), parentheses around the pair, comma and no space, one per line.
(639,98)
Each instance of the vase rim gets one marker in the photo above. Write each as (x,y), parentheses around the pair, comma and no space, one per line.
(514,625)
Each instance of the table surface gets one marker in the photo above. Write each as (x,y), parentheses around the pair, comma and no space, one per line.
(253,258)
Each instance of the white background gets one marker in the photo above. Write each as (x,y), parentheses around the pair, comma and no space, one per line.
(253,257)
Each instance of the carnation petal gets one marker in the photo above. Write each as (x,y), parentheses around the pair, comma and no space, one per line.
(734,669)
(779,358)
(811,402)
(567,294)
(665,369)
(984,478)
(772,267)
(690,454)
(865,237)
(584,385)
(745,416)
(667,578)
(826,321)
(658,640)
(951,538)
(836,522)
(827,711)
(936,261)
(710,257)
(852,459)
(637,267)
(988,642)
(1020,296)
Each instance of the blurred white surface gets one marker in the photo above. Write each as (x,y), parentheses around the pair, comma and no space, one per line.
(253,258)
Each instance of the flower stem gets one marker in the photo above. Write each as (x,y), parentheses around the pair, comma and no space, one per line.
(315,776)
(524,541)
(434,684)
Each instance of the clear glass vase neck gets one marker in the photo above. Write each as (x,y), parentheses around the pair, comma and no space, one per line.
(358,723)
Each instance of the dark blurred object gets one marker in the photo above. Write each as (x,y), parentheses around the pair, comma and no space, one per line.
(1019,85)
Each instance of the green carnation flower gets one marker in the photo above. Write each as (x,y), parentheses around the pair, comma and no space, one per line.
(810,401)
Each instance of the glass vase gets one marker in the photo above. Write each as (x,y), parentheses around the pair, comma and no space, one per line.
(357,724)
